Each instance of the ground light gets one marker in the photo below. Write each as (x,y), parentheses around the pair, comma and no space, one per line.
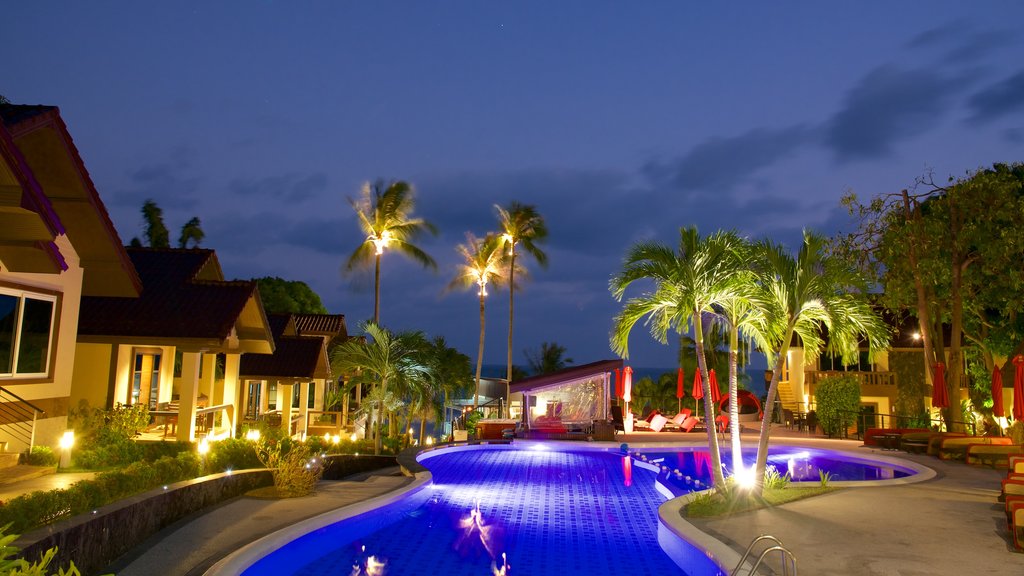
(745,478)
(67,440)
(252,435)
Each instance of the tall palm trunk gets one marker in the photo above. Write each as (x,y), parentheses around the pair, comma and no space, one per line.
(376,290)
(734,405)
(378,441)
(716,457)
(423,428)
(511,316)
(766,421)
(479,354)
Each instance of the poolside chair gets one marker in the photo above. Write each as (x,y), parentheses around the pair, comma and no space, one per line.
(721,423)
(787,417)
(1015,512)
(658,422)
(617,423)
(681,417)
(689,424)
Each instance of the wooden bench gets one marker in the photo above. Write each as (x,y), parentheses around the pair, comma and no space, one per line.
(955,448)
(915,442)
(996,456)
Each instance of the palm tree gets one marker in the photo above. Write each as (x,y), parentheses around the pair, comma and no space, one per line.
(687,284)
(803,296)
(450,375)
(385,216)
(549,358)
(520,224)
(483,264)
(192,231)
(393,362)
(155,231)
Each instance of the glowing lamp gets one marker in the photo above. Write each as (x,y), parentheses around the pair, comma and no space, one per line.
(67,440)
(204,447)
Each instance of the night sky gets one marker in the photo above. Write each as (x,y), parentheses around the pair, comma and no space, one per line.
(620,121)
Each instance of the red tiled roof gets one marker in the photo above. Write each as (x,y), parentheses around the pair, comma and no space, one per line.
(293,357)
(171,305)
(322,324)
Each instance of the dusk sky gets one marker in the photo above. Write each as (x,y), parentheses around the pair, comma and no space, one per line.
(620,121)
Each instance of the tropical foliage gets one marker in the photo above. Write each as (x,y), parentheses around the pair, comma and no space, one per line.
(522,226)
(288,296)
(837,401)
(385,216)
(158,236)
(550,357)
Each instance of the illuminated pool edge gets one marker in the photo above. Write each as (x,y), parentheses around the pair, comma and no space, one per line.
(682,542)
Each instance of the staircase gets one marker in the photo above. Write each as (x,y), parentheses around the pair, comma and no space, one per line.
(787,398)
(17,424)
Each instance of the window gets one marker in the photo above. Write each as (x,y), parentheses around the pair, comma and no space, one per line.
(272,396)
(26,333)
(296,389)
(311,401)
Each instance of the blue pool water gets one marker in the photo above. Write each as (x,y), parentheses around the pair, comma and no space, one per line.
(527,511)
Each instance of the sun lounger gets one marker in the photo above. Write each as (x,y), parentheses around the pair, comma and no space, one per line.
(996,456)
(658,422)
(935,440)
(955,448)
(689,424)
(1016,523)
(681,417)
(1016,463)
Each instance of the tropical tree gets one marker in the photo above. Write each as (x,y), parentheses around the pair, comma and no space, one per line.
(192,231)
(288,296)
(550,357)
(154,228)
(385,216)
(391,362)
(449,373)
(688,283)
(520,224)
(807,296)
(483,263)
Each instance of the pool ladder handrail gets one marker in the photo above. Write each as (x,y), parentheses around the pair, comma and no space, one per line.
(788,560)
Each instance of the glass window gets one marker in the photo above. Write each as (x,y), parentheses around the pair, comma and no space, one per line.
(296,389)
(272,396)
(311,402)
(26,333)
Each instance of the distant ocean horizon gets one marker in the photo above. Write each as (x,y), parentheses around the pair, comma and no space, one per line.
(755,383)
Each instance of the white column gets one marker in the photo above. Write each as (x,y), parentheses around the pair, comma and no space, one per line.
(304,407)
(230,391)
(284,404)
(264,399)
(187,395)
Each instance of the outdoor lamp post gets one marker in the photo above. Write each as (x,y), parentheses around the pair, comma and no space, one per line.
(65,443)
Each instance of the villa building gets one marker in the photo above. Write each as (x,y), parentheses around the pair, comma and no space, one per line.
(176,347)
(57,245)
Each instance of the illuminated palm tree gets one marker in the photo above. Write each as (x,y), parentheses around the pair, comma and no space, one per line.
(385,216)
(803,296)
(483,263)
(520,224)
(688,283)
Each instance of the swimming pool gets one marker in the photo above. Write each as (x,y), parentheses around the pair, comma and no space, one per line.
(523,509)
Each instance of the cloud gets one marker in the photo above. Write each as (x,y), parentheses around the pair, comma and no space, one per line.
(960,44)
(165,182)
(720,164)
(999,99)
(887,106)
(291,187)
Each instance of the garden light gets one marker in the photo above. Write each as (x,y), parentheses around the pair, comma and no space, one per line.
(204,447)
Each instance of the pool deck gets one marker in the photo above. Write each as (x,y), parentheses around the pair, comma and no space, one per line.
(950,524)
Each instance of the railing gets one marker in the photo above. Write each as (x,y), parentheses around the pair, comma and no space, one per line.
(18,417)
(867,420)
(324,419)
(811,377)
(773,545)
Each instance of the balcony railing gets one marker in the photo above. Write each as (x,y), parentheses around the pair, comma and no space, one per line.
(812,377)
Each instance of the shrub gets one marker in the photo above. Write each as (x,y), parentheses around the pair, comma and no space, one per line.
(41,456)
(39,508)
(838,401)
(105,436)
(1016,432)
(295,467)
(232,453)
(775,481)
(11,565)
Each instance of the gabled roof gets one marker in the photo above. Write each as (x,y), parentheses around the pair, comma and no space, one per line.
(294,357)
(330,325)
(180,302)
(57,197)
(565,375)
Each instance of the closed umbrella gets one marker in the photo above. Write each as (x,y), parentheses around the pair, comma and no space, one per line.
(627,384)
(618,382)
(679,390)
(940,396)
(997,393)
(697,392)
(1018,388)
(716,394)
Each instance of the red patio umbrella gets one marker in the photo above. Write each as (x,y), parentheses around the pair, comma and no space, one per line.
(1018,387)
(940,396)
(716,394)
(679,390)
(997,393)
(697,392)
(618,382)
(627,384)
